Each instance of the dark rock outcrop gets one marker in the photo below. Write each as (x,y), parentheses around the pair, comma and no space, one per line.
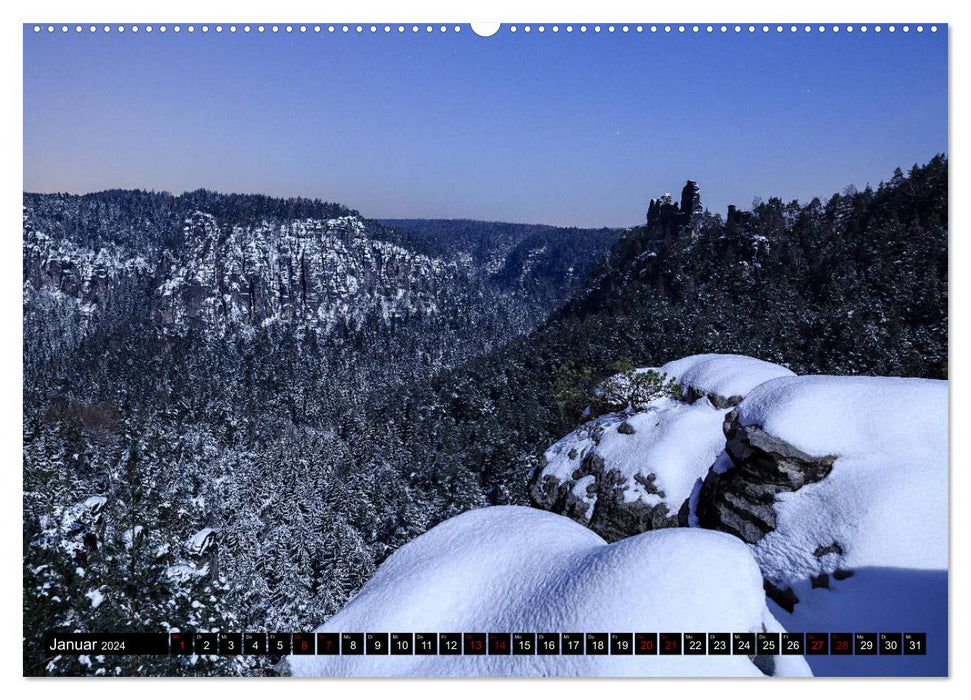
(822,551)
(785,598)
(614,518)
(668,218)
(737,217)
(820,580)
(740,500)
(691,394)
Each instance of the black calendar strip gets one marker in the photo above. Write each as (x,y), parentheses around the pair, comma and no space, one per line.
(492,643)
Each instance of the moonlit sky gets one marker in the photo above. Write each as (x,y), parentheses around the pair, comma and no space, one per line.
(570,129)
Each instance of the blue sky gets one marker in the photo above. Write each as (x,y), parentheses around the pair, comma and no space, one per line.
(573,129)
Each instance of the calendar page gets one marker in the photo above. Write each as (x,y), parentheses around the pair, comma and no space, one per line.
(420,349)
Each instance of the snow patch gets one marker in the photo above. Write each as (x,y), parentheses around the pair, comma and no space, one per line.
(95,596)
(201,541)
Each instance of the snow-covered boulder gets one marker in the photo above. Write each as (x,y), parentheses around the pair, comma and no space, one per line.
(723,379)
(858,461)
(628,472)
(840,485)
(515,569)
(625,474)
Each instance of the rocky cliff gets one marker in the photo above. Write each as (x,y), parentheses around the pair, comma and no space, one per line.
(319,271)
(218,264)
(667,217)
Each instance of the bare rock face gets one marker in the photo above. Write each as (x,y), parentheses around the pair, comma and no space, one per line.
(739,499)
(613,516)
(549,493)
(738,496)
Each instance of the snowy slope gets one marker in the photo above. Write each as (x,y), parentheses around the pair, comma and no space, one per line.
(882,511)
(512,569)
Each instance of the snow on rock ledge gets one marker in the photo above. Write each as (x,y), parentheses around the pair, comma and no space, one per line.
(509,568)
(724,379)
(860,462)
(840,486)
(852,415)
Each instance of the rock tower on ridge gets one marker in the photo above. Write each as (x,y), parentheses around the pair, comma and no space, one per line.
(664,215)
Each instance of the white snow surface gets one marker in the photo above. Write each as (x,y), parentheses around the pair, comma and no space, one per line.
(658,446)
(722,374)
(885,500)
(846,415)
(515,569)
(95,503)
(885,504)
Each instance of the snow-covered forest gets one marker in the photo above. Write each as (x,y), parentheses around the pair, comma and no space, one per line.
(239,411)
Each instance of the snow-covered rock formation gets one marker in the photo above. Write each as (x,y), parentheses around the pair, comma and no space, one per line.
(514,569)
(723,379)
(225,274)
(840,484)
(325,271)
(628,472)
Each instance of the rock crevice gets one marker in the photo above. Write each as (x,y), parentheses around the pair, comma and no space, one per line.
(740,499)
